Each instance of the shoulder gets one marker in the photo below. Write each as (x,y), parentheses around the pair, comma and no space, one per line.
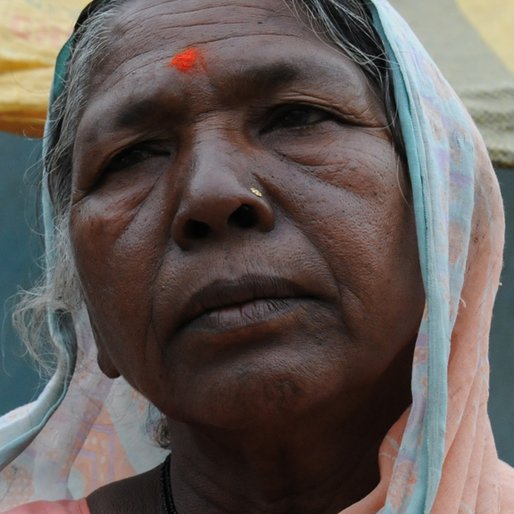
(58,507)
(506,488)
(137,494)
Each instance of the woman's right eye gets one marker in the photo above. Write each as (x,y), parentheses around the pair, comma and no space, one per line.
(134,155)
(297,116)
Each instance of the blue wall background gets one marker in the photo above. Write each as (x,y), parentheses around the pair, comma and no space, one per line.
(20,247)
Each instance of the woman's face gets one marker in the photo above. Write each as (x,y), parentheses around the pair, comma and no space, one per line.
(239,219)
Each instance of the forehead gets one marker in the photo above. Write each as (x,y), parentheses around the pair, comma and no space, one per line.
(180,13)
(146,32)
(203,20)
(248,49)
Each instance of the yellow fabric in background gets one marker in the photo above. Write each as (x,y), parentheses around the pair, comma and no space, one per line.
(471,40)
(31,33)
(494,21)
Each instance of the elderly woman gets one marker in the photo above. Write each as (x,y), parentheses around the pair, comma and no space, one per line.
(282,229)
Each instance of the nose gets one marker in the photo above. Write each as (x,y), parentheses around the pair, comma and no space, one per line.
(220,201)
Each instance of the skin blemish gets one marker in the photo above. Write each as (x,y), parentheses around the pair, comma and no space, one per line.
(186,60)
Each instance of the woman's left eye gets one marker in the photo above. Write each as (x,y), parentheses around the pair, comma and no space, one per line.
(296,116)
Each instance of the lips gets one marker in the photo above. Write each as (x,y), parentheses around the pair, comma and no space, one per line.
(252,299)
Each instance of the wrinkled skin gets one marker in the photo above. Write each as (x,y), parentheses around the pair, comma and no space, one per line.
(276,403)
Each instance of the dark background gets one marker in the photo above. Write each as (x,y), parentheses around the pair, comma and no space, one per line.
(20,249)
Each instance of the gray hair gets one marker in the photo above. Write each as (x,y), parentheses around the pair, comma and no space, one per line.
(345,24)
(59,290)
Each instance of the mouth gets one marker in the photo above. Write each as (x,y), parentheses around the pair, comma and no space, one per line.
(235,304)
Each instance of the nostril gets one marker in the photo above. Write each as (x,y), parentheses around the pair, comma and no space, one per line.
(243,217)
(196,229)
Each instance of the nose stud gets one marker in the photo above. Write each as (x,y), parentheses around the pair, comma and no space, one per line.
(256,192)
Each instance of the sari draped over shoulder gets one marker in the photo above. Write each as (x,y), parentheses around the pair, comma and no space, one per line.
(440,456)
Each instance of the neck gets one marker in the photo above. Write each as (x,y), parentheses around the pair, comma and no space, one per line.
(322,461)
(314,464)
(300,472)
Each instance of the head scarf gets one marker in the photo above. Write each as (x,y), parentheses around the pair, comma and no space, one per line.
(85,430)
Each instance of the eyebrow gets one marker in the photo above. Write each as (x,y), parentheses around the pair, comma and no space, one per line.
(269,76)
(135,113)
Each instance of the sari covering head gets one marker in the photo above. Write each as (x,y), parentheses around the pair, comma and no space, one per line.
(86,430)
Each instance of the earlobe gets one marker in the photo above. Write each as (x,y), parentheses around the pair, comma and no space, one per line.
(106,365)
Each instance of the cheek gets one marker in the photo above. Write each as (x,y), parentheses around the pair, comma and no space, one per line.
(116,250)
(105,245)
(118,228)
(353,205)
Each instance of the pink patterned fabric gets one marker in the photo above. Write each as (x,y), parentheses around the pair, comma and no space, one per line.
(62,507)
(97,436)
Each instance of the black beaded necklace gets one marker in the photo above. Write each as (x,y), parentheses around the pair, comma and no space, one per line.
(168,505)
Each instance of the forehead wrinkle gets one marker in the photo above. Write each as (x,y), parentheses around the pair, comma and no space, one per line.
(104,72)
(129,19)
(170,33)
(128,11)
(129,26)
(204,24)
(101,77)
(130,15)
(244,17)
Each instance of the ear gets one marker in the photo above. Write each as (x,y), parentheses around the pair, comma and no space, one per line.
(106,365)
